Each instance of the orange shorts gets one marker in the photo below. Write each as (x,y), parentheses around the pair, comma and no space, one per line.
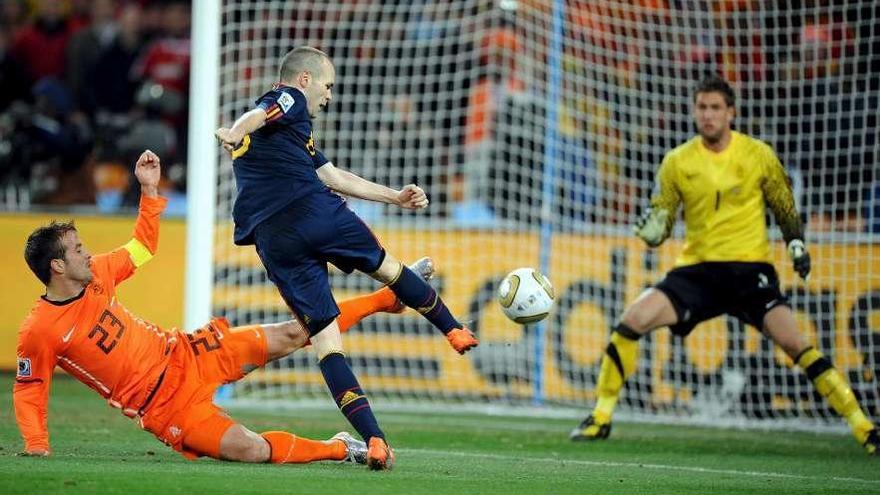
(182,414)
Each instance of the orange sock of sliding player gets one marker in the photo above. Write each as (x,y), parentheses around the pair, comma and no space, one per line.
(287,448)
(357,308)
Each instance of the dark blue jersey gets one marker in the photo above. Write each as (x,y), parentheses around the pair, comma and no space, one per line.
(275,165)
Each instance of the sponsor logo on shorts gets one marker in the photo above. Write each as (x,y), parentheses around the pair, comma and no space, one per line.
(24,367)
(686,316)
(174,430)
(763,282)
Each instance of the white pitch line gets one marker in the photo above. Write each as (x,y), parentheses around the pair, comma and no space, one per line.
(662,467)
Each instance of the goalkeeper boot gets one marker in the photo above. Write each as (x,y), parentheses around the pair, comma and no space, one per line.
(462,339)
(355,450)
(424,268)
(589,429)
(379,455)
(872,442)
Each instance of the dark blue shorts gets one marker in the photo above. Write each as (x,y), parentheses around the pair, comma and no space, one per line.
(296,244)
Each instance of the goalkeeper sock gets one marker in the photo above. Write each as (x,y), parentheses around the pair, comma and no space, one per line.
(618,363)
(352,311)
(419,295)
(287,448)
(833,386)
(349,396)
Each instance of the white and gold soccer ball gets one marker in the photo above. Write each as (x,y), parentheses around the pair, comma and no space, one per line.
(526,296)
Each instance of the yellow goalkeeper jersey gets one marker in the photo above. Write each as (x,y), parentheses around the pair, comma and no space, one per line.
(724,196)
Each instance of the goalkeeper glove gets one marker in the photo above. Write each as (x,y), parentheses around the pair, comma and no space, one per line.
(651,226)
(800,258)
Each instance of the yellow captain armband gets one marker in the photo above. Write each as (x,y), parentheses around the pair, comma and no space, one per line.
(138,252)
(243,147)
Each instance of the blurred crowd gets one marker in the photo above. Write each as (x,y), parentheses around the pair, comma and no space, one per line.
(455,95)
(807,74)
(85,85)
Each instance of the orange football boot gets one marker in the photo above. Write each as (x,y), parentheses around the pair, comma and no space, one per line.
(462,339)
(379,455)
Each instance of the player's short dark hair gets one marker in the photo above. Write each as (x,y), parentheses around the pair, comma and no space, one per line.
(715,84)
(44,245)
(301,58)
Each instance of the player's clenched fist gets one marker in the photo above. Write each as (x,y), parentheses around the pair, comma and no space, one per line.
(148,169)
(412,197)
(227,138)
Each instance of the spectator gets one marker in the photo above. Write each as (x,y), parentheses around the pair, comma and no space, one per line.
(84,51)
(110,89)
(13,80)
(58,144)
(40,46)
(150,130)
(488,106)
(165,62)
(13,17)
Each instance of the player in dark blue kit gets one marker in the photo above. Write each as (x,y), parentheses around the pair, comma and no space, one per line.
(288,206)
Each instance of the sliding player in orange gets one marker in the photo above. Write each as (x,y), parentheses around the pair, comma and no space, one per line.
(163,379)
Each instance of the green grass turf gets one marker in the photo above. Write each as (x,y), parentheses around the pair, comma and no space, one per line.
(97,450)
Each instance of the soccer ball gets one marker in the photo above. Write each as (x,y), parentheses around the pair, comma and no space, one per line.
(525,296)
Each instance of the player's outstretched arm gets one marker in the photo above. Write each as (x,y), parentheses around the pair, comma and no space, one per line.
(30,392)
(30,399)
(145,241)
(780,198)
(230,138)
(411,196)
(122,262)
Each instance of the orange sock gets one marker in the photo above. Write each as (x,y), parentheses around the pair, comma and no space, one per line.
(288,448)
(352,311)
(357,308)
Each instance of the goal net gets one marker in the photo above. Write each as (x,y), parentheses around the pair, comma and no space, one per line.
(536,127)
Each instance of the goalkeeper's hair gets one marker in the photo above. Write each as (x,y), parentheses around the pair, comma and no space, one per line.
(716,84)
(44,245)
(301,59)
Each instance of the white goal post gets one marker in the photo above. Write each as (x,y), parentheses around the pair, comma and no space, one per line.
(536,127)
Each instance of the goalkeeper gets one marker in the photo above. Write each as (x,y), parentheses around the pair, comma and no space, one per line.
(723,179)
(165,380)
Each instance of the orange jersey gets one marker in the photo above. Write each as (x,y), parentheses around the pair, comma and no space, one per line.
(94,338)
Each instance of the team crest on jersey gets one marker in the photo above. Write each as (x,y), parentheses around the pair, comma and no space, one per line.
(285,101)
(24,367)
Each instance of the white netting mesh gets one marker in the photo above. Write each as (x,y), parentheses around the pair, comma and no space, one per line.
(485,103)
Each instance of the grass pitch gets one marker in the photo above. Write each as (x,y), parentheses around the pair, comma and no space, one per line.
(97,450)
